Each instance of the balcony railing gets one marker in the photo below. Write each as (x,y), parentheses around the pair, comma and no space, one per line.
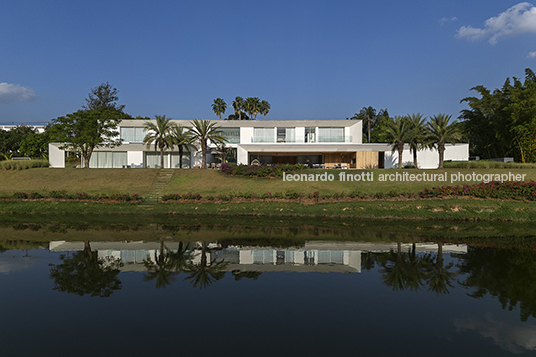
(333,139)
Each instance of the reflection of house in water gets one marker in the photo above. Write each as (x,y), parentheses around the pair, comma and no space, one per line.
(316,256)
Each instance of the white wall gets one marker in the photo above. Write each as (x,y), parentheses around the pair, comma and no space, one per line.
(56,156)
(429,158)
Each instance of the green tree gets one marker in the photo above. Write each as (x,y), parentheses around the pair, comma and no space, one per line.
(238,106)
(182,138)
(203,131)
(35,145)
(441,131)
(397,132)
(85,274)
(85,130)
(367,115)
(104,96)
(161,134)
(219,106)
(10,141)
(252,107)
(264,108)
(502,123)
(418,138)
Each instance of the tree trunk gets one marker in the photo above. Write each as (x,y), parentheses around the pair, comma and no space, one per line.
(400,151)
(441,150)
(204,154)
(180,156)
(368,121)
(161,157)
(415,158)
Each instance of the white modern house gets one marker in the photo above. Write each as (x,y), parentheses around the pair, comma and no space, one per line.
(326,143)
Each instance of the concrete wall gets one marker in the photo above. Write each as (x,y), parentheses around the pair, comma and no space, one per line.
(56,156)
(429,158)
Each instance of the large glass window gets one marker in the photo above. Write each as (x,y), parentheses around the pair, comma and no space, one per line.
(232,134)
(133,135)
(263,135)
(331,135)
(310,135)
(175,160)
(286,135)
(108,159)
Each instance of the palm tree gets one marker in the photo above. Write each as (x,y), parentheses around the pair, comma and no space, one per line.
(202,131)
(417,136)
(159,133)
(440,132)
(219,107)
(252,106)
(264,107)
(182,138)
(238,105)
(368,116)
(397,133)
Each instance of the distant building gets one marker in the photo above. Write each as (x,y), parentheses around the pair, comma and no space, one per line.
(39,128)
(318,143)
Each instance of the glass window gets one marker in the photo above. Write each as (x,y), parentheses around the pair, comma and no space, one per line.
(232,134)
(331,135)
(108,159)
(310,135)
(133,134)
(263,135)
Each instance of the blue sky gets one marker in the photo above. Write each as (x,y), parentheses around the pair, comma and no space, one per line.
(309,59)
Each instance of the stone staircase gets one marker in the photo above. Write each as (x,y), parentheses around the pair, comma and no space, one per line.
(159,187)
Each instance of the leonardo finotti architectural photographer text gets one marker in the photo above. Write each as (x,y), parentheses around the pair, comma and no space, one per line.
(405,177)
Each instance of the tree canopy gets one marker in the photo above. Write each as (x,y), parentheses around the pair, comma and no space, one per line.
(85,130)
(503,122)
(103,96)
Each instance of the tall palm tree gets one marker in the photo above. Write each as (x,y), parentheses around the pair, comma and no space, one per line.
(252,106)
(440,131)
(417,137)
(397,133)
(182,138)
(238,106)
(219,107)
(159,133)
(264,107)
(202,131)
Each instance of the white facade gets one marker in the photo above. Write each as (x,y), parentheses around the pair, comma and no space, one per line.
(318,143)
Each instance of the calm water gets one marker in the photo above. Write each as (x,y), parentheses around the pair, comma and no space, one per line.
(319,298)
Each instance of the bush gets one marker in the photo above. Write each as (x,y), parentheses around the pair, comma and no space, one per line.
(263,170)
(22,164)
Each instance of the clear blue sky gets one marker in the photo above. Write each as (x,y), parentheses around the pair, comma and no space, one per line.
(309,59)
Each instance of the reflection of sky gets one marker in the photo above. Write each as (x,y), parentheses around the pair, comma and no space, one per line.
(15,260)
(516,337)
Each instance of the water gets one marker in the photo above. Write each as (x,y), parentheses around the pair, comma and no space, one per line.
(314,297)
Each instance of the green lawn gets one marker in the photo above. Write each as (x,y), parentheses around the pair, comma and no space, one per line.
(213,182)
(90,181)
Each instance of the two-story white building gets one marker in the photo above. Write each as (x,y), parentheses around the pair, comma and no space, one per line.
(322,143)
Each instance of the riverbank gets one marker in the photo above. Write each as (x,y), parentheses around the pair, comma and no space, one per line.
(444,209)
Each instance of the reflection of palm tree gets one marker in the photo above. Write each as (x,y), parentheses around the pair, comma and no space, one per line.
(439,277)
(84,273)
(393,269)
(402,270)
(205,273)
(162,269)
